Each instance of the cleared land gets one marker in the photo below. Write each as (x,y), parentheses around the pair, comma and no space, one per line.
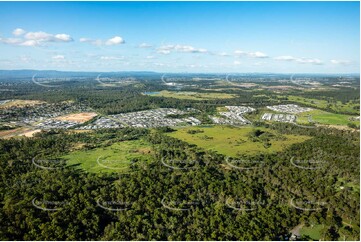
(20,103)
(317,116)
(77,117)
(313,232)
(192,95)
(114,158)
(31,133)
(323,117)
(22,131)
(335,106)
(232,141)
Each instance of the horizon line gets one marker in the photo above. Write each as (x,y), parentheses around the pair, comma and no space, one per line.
(170,72)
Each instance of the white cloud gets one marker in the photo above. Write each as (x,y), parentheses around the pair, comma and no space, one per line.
(29,43)
(340,62)
(237,63)
(35,38)
(110,58)
(116,40)
(164,52)
(18,32)
(257,54)
(46,37)
(285,58)
(166,49)
(63,37)
(309,61)
(58,57)
(10,41)
(150,57)
(145,45)
(91,41)
(83,40)
(240,52)
(302,60)
(223,54)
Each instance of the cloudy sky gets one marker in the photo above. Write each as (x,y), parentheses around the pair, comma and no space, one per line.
(287,37)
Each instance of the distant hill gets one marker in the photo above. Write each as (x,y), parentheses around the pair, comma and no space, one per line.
(61,74)
(19,74)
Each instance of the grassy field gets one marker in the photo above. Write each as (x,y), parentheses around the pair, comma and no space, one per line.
(317,116)
(313,232)
(114,158)
(337,106)
(192,95)
(232,141)
(323,117)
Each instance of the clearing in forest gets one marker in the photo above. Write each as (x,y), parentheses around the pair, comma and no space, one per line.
(234,141)
(20,103)
(114,158)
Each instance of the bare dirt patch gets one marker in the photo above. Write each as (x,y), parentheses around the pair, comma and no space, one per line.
(22,131)
(31,133)
(20,103)
(9,133)
(77,117)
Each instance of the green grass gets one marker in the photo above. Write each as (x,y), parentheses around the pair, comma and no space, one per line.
(232,141)
(323,117)
(313,232)
(114,158)
(335,106)
(192,95)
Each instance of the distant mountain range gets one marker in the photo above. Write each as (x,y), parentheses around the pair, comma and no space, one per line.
(63,74)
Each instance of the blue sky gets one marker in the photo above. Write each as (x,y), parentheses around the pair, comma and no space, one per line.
(287,37)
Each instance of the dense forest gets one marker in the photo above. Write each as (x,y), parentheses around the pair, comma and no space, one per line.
(209,201)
